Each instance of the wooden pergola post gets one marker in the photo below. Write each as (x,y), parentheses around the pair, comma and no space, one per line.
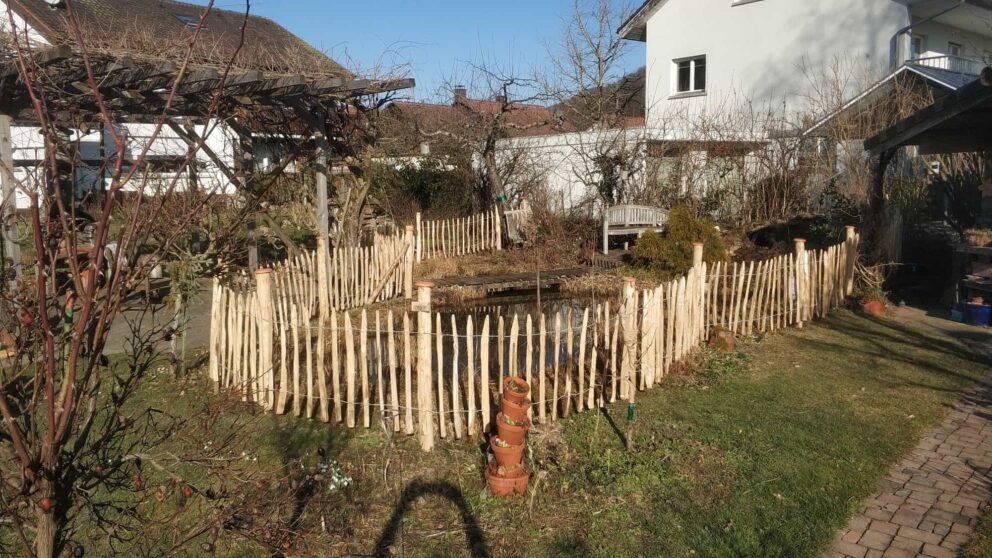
(8,200)
(323,151)
(245,167)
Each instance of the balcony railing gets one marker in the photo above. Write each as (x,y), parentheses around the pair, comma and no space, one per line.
(952,64)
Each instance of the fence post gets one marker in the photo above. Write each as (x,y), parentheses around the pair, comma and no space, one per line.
(699,293)
(215,317)
(629,364)
(408,281)
(425,401)
(420,238)
(499,228)
(323,289)
(851,250)
(802,271)
(266,379)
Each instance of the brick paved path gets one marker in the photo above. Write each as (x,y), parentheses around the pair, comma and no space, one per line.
(931,502)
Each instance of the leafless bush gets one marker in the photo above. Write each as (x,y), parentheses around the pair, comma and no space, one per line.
(79,446)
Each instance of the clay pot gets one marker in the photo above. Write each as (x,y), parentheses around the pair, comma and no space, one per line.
(516,410)
(507,457)
(723,339)
(874,307)
(515,389)
(511,434)
(512,481)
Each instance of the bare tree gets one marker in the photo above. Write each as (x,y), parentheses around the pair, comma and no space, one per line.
(76,450)
(598,101)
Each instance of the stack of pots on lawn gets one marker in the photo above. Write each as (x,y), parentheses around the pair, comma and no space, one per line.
(506,474)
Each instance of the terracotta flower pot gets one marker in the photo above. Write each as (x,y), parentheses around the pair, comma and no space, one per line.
(516,410)
(507,457)
(874,307)
(509,433)
(515,389)
(506,481)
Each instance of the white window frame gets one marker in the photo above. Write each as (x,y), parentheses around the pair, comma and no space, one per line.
(692,91)
(952,46)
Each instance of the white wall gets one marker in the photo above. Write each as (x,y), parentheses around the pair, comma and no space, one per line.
(20,25)
(565,163)
(756,50)
(937,37)
(28,146)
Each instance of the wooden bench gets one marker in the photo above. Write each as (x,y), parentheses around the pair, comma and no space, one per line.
(621,220)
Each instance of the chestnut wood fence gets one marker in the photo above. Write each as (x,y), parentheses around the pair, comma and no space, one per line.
(438,375)
(459,236)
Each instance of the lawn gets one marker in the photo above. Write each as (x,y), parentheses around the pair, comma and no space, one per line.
(766,452)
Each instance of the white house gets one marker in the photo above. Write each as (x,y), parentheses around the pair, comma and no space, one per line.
(725,72)
(768,53)
(153,30)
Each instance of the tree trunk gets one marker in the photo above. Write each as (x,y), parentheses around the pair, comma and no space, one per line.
(352,193)
(44,542)
(492,186)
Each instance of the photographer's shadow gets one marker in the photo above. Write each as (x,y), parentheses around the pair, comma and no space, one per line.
(475,540)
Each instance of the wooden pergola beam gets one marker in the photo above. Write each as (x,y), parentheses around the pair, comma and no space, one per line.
(192,138)
(42,58)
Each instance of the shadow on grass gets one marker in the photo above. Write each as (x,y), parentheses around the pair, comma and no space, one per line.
(616,429)
(892,341)
(476,541)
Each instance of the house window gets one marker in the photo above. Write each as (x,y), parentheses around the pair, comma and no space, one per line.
(954,49)
(917,46)
(690,75)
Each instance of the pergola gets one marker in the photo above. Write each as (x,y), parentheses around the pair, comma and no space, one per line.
(250,103)
(959,122)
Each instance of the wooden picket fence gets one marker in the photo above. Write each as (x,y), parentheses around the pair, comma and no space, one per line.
(438,375)
(459,236)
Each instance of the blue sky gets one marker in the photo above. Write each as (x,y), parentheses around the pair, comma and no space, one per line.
(432,36)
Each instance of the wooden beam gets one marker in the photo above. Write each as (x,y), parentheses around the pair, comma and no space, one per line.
(112,71)
(360,87)
(42,58)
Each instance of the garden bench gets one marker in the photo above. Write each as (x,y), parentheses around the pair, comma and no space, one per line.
(621,220)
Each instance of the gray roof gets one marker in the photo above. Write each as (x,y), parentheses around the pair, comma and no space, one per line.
(953,80)
(942,81)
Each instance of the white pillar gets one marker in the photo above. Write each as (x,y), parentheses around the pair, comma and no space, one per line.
(8,198)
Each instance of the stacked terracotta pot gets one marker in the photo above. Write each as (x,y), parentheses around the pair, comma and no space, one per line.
(506,473)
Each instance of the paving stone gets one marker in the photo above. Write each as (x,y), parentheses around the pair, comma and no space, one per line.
(850,549)
(910,546)
(958,539)
(934,551)
(884,527)
(919,535)
(853,536)
(875,539)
